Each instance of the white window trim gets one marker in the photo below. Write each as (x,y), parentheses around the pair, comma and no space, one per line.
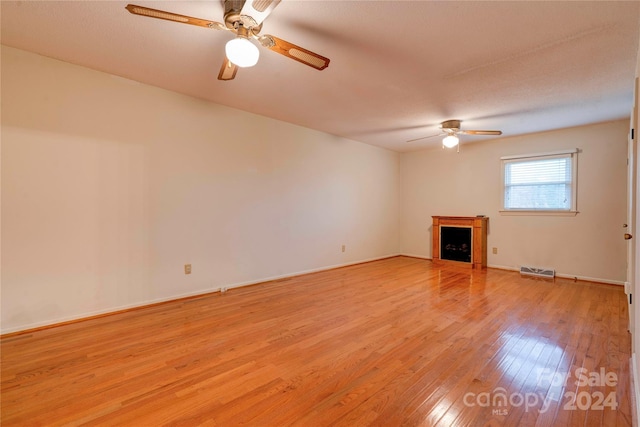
(545,154)
(573,211)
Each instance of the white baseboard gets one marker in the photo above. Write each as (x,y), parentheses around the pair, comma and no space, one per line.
(503,267)
(566,276)
(417,256)
(313,270)
(56,321)
(81,316)
(591,279)
(90,314)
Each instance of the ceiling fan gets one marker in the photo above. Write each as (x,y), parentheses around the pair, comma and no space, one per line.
(243,18)
(451,130)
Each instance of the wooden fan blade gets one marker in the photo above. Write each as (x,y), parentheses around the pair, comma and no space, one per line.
(293,51)
(258,9)
(425,137)
(228,70)
(183,19)
(481,132)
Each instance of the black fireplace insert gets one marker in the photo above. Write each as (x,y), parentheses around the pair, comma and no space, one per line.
(455,243)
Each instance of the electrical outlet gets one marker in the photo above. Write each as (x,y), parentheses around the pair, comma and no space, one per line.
(495,251)
(343,248)
(187,269)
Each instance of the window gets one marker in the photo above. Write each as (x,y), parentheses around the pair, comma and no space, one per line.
(540,183)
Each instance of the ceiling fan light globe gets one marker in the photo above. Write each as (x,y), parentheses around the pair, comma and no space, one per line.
(241,52)
(450,141)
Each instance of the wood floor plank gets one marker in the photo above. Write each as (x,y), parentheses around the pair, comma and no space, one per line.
(393,342)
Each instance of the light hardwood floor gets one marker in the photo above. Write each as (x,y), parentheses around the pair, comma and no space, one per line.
(387,343)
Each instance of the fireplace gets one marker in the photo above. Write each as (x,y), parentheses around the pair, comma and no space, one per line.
(460,240)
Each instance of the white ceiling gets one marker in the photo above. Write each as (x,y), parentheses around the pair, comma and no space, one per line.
(398,68)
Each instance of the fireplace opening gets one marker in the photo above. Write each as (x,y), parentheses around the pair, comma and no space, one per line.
(455,243)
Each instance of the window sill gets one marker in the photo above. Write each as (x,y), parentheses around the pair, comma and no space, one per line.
(525,212)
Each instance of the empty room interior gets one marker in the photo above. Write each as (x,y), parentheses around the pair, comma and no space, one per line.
(319,213)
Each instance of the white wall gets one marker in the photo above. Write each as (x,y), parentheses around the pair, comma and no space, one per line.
(109,187)
(589,245)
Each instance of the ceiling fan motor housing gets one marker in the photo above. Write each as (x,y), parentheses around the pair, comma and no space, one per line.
(234,19)
(453,125)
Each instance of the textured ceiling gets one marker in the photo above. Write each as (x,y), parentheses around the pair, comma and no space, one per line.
(398,68)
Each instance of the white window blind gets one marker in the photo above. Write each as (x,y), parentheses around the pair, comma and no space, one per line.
(540,183)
